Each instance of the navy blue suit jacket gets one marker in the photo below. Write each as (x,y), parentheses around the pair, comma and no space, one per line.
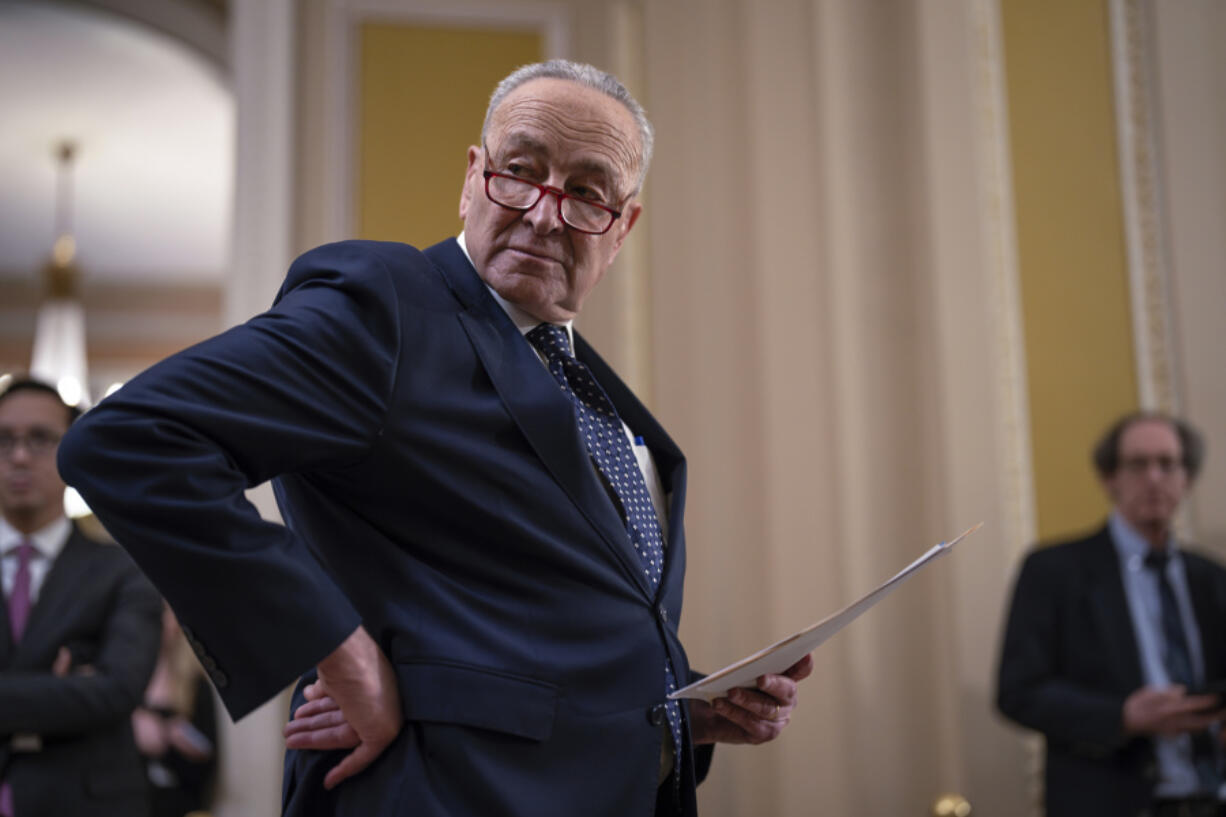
(1070,658)
(435,490)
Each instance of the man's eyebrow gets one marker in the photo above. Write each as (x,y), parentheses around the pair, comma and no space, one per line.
(520,141)
(595,166)
(526,142)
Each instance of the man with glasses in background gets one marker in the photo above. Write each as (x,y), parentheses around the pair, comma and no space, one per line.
(481,570)
(1115,647)
(79,634)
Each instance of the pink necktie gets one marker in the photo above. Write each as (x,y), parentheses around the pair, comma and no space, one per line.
(19,599)
(19,612)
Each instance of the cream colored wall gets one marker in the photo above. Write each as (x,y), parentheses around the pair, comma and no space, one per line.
(838,357)
(1189,72)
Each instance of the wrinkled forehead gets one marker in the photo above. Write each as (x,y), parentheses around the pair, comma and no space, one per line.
(567,122)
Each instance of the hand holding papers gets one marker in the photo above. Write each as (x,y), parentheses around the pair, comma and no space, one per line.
(782,654)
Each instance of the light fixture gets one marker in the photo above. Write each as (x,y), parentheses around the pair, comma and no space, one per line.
(59,335)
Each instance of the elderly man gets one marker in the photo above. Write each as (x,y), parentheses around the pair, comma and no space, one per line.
(79,634)
(484,552)
(1110,638)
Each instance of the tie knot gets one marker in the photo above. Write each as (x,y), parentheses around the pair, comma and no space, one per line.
(550,340)
(1156,560)
(23,551)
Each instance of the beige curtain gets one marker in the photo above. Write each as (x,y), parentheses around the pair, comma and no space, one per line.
(833,341)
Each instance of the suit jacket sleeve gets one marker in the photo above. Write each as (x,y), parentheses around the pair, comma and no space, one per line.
(165,461)
(126,651)
(1207,585)
(1035,688)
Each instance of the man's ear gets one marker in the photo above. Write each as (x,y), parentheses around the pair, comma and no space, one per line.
(475,165)
(629,216)
(1108,486)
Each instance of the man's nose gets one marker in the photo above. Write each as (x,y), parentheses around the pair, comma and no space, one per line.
(544,218)
(1156,471)
(20,452)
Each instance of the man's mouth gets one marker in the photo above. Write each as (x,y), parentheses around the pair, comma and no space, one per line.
(17,485)
(539,254)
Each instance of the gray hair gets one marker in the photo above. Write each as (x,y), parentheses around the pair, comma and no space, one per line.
(584,74)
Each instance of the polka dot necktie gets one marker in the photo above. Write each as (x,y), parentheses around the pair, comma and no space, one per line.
(609,446)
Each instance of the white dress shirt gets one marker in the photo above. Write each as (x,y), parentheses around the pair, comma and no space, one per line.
(47,541)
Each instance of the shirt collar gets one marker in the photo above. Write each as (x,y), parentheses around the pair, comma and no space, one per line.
(1131,546)
(48,540)
(524,322)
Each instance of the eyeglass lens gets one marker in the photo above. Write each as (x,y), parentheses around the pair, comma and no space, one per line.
(522,194)
(36,442)
(1141,465)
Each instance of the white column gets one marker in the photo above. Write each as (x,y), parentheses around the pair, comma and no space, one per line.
(261,42)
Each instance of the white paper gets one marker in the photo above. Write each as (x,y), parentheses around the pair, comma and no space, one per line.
(782,654)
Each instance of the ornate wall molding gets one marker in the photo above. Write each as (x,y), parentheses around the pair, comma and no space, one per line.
(1143,194)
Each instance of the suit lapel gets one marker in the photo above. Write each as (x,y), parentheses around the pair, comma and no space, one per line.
(1109,605)
(532,397)
(61,590)
(669,460)
(56,592)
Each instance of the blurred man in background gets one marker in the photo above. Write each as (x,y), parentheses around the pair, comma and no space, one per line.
(79,633)
(1112,638)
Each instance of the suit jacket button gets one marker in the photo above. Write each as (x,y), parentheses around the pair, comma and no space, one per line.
(663,613)
(219,679)
(657,715)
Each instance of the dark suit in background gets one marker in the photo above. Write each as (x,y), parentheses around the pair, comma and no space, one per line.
(67,747)
(436,489)
(1070,659)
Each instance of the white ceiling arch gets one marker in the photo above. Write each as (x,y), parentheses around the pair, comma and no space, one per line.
(154,120)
